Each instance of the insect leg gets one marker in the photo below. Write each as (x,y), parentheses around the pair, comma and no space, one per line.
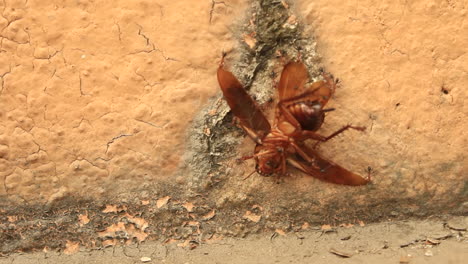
(339,131)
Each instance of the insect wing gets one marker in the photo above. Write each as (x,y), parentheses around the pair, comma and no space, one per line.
(292,81)
(241,104)
(292,85)
(326,170)
(322,90)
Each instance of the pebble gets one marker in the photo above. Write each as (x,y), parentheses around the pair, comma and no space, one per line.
(145,259)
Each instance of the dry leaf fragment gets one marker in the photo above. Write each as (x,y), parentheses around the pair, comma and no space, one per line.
(340,253)
(109,243)
(110,208)
(214,238)
(83,218)
(209,215)
(12,218)
(292,20)
(162,201)
(189,206)
(361,223)
(140,223)
(250,40)
(170,241)
(184,244)
(112,230)
(252,217)
(326,227)
(120,230)
(280,232)
(193,223)
(305,226)
(145,202)
(71,247)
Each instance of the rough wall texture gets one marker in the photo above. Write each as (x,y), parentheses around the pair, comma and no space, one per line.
(99,98)
(96,96)
(404,72)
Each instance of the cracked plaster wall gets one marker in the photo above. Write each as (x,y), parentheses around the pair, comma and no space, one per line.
(407,61)
(96,96)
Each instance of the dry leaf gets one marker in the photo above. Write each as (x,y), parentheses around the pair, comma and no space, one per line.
(116,230)
(361,223)
(12,218)
(136,233)
(170,241)
(193,223)
(111,230)
(250,40)
(252,217)
(145,202)
(213,239)
(305,226)
(140,223)
(184,244)
(162,201)
(188,243)
(340,253)
(209,215)
(71,247)
(189,206)
(326,227)
(110,209)
(280,232)
(292,20)
(109,243)
(83,218)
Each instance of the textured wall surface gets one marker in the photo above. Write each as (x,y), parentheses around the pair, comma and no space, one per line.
(97,95)
(119,101)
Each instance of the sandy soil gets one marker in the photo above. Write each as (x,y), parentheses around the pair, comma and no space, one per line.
(388,242)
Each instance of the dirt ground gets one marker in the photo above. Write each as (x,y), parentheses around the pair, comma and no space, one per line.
(414,242)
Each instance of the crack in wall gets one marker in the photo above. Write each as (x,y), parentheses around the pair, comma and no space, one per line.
(109,143)
(213,6)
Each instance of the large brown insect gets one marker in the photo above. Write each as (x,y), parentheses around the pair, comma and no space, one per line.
(298,114)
